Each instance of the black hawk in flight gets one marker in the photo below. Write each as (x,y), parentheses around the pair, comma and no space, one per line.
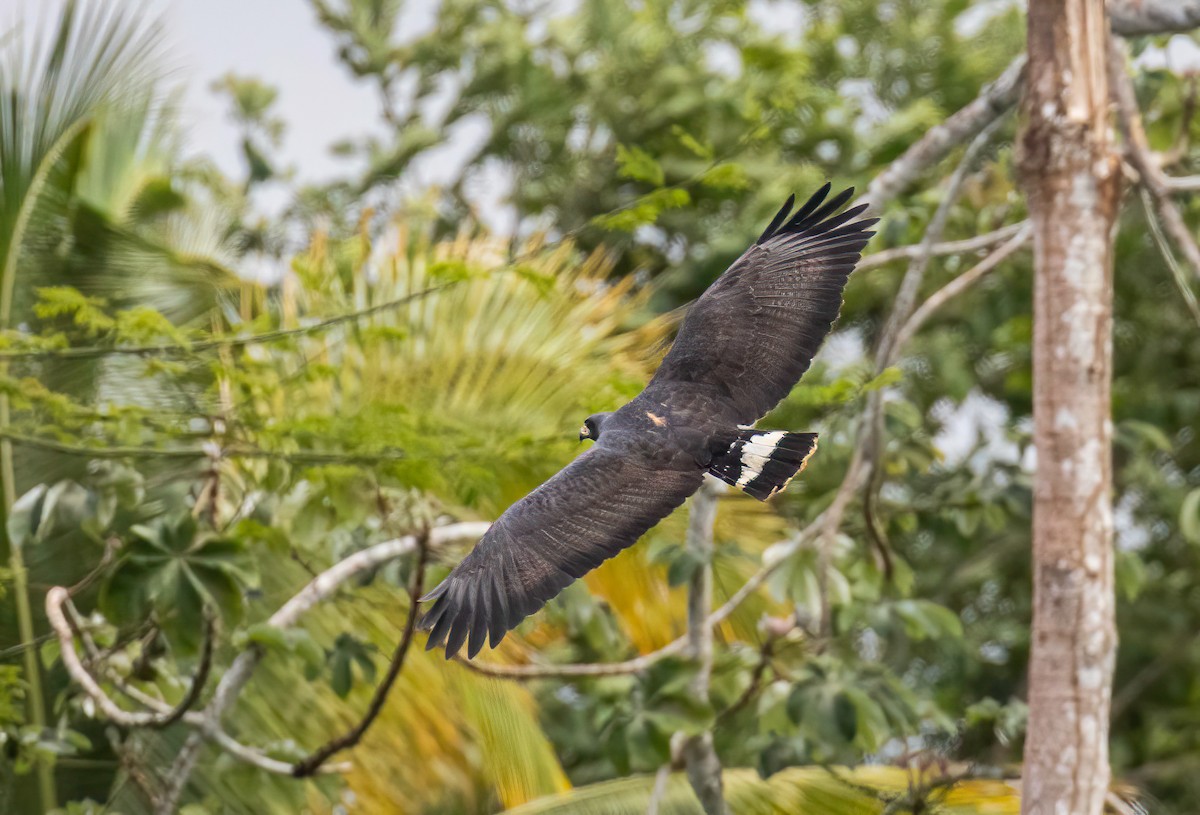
(743,346)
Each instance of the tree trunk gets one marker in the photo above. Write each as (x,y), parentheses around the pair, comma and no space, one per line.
(1070,175)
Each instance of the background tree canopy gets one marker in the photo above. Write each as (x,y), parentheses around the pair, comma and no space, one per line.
(184,450)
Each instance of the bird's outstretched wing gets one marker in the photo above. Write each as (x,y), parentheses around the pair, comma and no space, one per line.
(753,334)
(598,505)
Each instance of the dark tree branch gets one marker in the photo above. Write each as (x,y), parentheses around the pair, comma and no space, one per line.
(309,765)
(200,679)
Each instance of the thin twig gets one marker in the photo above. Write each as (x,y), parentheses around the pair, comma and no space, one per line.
(960,127)
(132,767)
(960,247)
(200,678)
(1164,248)
(660,789)
(183,349)
(960,284)
(314,760)
(109,451)
(56,599)
(756,680)
(160,713)
(110,550)
(872,428)
(1153,181)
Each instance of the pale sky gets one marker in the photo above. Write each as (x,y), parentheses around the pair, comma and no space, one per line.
(278,41)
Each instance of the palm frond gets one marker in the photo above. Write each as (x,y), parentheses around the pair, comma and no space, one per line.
(795,791)
(98,53)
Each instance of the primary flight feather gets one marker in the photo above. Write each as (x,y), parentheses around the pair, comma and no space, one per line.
(743,346)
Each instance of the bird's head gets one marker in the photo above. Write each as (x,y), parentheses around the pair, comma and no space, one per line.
(592,426)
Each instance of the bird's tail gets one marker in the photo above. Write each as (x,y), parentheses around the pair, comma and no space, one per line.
(762,462)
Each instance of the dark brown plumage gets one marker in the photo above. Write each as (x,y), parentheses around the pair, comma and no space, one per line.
(743,346)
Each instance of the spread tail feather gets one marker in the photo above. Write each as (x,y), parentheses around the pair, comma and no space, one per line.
(762,462)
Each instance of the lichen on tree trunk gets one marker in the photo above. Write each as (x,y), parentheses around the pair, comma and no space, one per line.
(1070,174)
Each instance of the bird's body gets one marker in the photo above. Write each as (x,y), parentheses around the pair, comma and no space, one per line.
(745,343)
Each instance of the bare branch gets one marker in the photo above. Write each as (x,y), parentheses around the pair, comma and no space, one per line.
(313,762)
(200,678)
(660,789)
(1153,180)
(160,713)
(1130,18)
(919,262)
(1182,183)
(960,127)
(56,598)
(317,590)
(960,247)
(960,284)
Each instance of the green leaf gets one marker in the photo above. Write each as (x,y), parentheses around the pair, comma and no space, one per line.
(636,164)
(690,143)
(888,376)
(683,567)
(845,714)
(269,636)
(25,517)
(924,619)
(644,211)
(305,647)
(1189,517)
(175,570)
(1130,574)
(726,177)
(646,745)
(1146,433)
(688,715)
(341,678)
(347,652)
(67,505)
(871,723)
